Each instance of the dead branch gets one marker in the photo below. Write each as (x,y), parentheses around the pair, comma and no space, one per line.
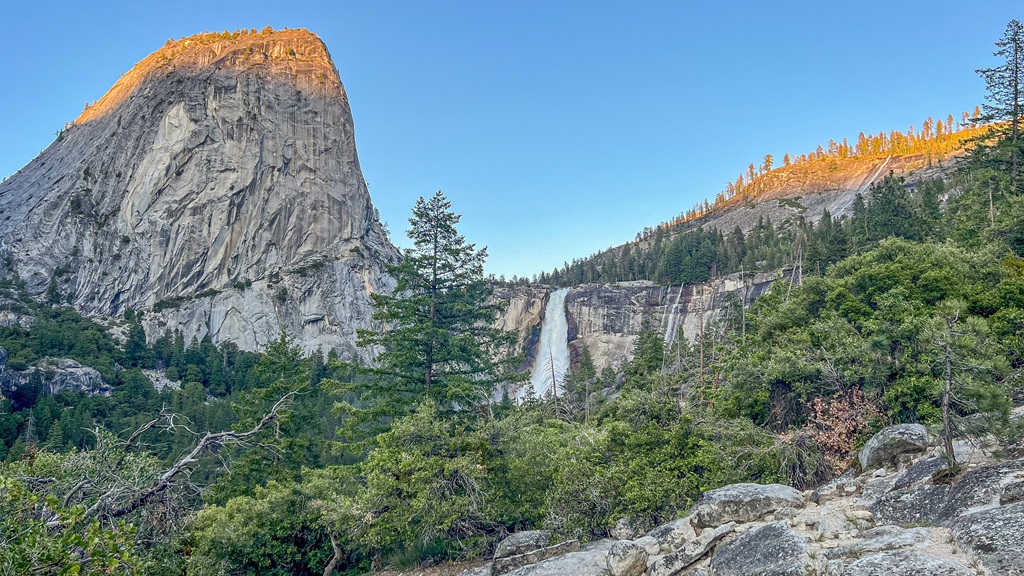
(183,466)
(329,569)
(85,481)
(142,429)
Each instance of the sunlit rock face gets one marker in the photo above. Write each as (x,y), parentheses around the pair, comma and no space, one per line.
(216,187)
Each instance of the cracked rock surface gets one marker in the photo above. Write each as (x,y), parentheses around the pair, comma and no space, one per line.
(216,187)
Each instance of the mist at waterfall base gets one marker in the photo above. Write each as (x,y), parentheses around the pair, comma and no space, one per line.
(552,364)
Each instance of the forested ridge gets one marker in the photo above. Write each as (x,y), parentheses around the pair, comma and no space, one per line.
(912,310)
(686,249)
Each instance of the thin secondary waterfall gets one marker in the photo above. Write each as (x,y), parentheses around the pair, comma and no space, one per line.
(673,318)
(552,364)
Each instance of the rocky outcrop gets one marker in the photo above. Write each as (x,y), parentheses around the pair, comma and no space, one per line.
(996,535)
(921,472)
(846,528)
(882,539)
(914,505)
(884,447)
(774,549)
(744,503)
(50,376)
(984,488)
(906,563)
(216,187)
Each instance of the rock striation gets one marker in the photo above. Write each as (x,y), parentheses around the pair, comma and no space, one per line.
(606,319)
(216,187)
(51,375)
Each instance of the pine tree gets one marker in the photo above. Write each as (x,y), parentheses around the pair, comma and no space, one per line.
(1005,84)
(439,340)
(136,352)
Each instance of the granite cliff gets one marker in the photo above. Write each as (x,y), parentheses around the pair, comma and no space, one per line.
(215,187)
(606,319)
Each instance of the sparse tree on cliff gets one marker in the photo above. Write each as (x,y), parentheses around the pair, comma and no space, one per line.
(1005,86)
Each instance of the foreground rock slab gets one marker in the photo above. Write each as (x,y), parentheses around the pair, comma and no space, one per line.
(770,550)
(906,563)
(914,505)
(996,536)
(744,503)
(882,539)
(982,488)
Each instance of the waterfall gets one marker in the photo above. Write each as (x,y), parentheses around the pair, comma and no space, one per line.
(664,313)
(552,361)
(673,318)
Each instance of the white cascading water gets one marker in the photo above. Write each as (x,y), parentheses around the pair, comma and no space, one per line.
(668,307)
(552,364)
(673,318)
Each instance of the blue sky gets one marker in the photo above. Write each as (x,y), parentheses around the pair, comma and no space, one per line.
(556,128)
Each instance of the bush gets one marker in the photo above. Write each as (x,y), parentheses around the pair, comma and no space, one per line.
(424,491)
(275,532)
(71,547)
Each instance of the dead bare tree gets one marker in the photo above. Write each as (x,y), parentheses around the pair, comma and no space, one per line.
(118,484)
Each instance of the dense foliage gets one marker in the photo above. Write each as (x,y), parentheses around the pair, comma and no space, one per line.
(869,324)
